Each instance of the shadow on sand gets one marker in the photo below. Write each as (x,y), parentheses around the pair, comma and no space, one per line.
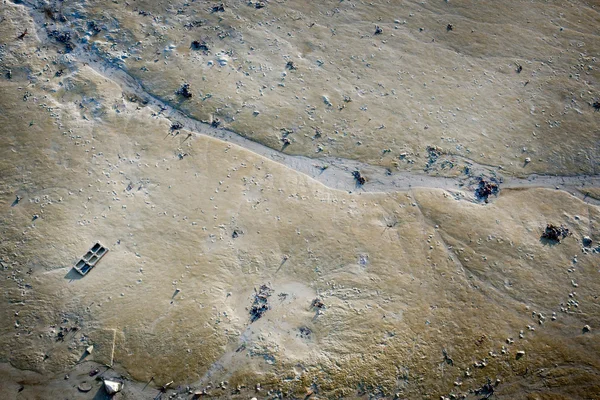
(73,275)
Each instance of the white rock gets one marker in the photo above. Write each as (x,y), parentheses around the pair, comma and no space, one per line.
(112,387)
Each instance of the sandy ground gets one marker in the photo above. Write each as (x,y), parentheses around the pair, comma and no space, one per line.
(405,287)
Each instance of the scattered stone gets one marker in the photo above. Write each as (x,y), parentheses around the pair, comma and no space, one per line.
(520,354)
(291,66)
(596,105)
(555,233)
(586,329)
(449,27)
(587,241)
(89,349)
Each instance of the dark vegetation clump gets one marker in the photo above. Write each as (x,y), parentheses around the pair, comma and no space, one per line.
(360,180)
(449,27)
(378,30)
(290,65)
(198,45)
(184,91)
(215,123)
(486,189)
(260,305)
(596,105)
(555,233)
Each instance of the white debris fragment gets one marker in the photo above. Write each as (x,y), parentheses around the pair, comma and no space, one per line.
(112,387)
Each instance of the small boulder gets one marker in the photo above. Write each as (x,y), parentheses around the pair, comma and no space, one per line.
(112,387)
(587,241)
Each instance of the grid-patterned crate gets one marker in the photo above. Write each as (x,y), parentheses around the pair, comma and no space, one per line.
(90,259)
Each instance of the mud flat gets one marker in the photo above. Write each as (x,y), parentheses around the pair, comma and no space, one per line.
(239,266)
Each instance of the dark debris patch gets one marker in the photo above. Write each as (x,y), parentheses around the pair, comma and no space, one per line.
(317,303)
(555,233)
(260,305)
(219,8)
(360,179)
(198,45)
(184,91)
(94,27)
(486,390)
(64,38)
(433,154)
(175,126)
(237,233)
(305,332)
(487,188)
